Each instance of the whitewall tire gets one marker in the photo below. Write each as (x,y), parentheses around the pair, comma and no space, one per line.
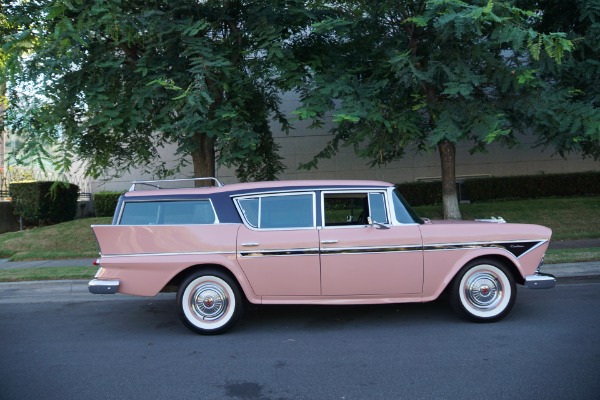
(483,291)
(209,302)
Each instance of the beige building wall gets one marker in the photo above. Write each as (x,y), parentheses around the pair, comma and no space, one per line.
(302,143)
(498,161)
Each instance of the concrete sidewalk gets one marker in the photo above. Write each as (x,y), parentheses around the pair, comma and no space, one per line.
(573,270)
(75,262)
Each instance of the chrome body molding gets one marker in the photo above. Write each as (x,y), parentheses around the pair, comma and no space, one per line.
(279,253)
(518,248)
(540,280)
(98,286)
(367,250)
(191,253)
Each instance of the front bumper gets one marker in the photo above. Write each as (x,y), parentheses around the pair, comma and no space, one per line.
(98,286)
(540,280)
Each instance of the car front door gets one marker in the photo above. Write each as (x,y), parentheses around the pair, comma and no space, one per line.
(364,251)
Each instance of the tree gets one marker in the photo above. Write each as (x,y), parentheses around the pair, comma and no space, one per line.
(427,75)
(111,82)
(567,115)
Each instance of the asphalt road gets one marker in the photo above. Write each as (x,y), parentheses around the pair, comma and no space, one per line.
(547,348)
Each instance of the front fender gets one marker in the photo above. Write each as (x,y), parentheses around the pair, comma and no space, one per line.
(441,266)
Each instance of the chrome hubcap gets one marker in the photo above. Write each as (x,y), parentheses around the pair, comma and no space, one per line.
(209,301)
(484,290)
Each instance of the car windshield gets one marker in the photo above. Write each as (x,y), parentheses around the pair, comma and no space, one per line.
(404,212)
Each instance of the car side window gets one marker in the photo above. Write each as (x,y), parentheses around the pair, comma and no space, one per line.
(377,209)
(355,208)
(278,211)
(404,213)
(250,208)
(168,213)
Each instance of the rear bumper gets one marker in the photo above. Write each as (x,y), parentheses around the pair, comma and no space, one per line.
(540,280)
(98,286)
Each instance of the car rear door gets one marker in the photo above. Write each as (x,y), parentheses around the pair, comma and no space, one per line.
(278,248)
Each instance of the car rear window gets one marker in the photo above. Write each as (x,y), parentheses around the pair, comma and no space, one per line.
(168,213)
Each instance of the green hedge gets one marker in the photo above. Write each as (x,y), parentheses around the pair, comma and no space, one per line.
(510,187)
(533,187)
(421,193)
(44,203)
(105,203)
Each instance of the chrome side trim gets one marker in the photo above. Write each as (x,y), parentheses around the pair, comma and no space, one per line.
(191,253)
(98,286)
(279,253)
(330,251)
(366,250)
(349,250)
(518,248)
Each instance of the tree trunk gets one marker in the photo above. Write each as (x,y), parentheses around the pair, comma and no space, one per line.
(447,151)
(203,158)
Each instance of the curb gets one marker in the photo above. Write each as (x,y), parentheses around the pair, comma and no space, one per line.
(572,269)
(58,292)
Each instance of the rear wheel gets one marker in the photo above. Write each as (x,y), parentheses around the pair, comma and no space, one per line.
(209,302)
(483,291)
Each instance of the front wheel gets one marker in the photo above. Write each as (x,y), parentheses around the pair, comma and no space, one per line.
(483,291)
(209,302)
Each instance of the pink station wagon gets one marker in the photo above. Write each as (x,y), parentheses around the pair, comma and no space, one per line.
(308,242)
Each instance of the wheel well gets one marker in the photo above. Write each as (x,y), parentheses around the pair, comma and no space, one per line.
(507,262)
(174,283)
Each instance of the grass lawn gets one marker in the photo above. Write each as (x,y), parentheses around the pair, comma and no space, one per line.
(569,218)
(72,239)
(46,273)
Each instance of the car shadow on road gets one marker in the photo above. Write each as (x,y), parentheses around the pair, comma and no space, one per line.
(141,315)
(160,314)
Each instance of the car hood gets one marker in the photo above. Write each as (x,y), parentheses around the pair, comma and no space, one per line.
(447,231)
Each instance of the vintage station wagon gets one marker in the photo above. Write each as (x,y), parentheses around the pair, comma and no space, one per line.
(308,242)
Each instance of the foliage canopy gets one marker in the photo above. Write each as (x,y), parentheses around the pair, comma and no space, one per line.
(116,80)
(422,75)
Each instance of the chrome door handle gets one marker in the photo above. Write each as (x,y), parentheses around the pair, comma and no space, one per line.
(251,244)
(332,241)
